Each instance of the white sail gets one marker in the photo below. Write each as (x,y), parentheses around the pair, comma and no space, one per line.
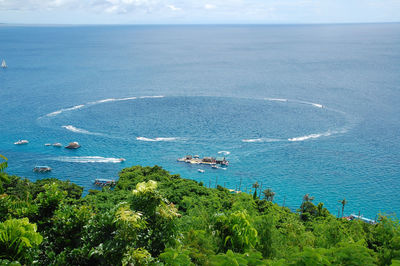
(3,64)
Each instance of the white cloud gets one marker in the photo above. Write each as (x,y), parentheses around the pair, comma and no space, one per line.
(174,8)
(225,11)
(209,6)
(108,6)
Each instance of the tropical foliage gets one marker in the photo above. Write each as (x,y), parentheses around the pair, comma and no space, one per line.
(154,218)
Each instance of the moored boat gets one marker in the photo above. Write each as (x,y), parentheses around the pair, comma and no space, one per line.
(41,169)
(57,144)
(73,145)
(105,182)
(214,162)
(21,142)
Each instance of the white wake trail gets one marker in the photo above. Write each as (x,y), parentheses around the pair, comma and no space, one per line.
(80,130)
(261,140)
(65,110)
(87,159)
(156,139)
(317,135)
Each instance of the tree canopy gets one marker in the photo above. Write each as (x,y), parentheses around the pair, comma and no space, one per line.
(154,218)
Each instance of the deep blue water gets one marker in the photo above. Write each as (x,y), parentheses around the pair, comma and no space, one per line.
(301,109)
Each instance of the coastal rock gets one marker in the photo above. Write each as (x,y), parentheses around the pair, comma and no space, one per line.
(73,145)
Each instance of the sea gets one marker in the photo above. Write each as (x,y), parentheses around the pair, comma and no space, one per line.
(300,109)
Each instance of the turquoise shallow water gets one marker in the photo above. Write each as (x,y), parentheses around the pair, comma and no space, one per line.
(300,109)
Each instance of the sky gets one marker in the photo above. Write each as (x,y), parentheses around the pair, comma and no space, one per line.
(197,11)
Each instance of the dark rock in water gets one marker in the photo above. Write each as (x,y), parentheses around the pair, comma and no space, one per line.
(73,145)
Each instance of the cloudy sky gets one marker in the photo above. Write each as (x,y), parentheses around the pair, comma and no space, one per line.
(197,11)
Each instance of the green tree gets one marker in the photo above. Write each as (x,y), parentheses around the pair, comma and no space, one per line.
(137,256)
(232,258)
(3,177)
(269,194)
(310,257)
(67,226)
(4,164)
(128,222)
(159,215)
(255,186)
(49,200)
(237,231)
(385,239)
(176,257)
(353,254)
(307,198)
(18,240)
(343,202)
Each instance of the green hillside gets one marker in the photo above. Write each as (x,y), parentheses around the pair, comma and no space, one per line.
(154,218)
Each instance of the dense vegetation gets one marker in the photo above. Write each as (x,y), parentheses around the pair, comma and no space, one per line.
(152,217)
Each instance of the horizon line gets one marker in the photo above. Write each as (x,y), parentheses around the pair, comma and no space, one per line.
(197,24)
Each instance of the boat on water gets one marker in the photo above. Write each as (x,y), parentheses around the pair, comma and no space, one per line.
(200,170)
(58,144)
(4,64)
(212,161)
(21,142)
(41,169)
(47,144)
(73,145)
(122,160)
(105,182)
(361,218)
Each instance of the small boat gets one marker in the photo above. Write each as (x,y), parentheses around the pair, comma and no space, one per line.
(200,170)
(73,145)
(47,144)
(218,162)
(42,169)
(361,218)
(105,182)
(222,161)
(122,160)
(57,144)
(21,142)
(214,166)
(4,64)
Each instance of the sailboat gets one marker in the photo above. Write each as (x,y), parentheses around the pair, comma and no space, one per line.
(3,64)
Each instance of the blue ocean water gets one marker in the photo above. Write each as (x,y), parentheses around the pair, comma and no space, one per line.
(300,109)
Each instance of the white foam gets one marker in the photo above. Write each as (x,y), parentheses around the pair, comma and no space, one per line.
(112,100)
(317,105)
(156,139)
(65,110)
(151,97)
(261,140)
(311,136)
(123,99)
(276,99)
(128,98)
(224,152)
(317,135)
(251,140)
(87,159)
(79,130)
(106,100)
